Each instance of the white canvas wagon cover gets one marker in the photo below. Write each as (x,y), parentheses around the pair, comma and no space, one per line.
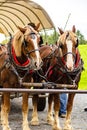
(15,13)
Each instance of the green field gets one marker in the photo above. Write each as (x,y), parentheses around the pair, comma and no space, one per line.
(83,81)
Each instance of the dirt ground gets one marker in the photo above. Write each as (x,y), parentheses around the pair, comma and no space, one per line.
(79,116)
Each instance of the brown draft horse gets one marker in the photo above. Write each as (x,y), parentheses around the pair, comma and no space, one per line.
(61,64)
(17,61)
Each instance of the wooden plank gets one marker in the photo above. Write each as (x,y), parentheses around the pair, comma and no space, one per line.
(48,85)
(36,91)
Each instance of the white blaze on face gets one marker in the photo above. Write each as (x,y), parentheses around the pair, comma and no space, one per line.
(38,58)
(69,62)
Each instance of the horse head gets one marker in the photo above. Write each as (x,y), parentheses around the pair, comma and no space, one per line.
(68,43)
(25,44)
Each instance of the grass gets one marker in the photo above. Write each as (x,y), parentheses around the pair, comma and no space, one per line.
(83,81)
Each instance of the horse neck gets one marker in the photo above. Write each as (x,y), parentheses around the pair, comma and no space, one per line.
(45,51)
(56,56)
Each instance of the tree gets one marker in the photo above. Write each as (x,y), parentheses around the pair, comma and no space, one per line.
(50,38)
(81,38)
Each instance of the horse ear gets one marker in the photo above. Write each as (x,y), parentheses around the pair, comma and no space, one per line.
(73,29)
(60,31)
(37,26)
(21,29)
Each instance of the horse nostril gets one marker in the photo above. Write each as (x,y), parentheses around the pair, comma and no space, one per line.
(69,68)
(41,64)
(36,64)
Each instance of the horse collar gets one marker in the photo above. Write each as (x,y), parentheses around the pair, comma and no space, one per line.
(26,63)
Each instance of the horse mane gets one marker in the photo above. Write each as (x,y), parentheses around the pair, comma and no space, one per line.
(17,43)
(67,34)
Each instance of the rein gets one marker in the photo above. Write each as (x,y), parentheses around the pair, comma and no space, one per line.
(41,73)
(77,69)
(62,70)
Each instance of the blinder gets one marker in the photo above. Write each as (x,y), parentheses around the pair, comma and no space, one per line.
(24,43)
(77,43)
(61,45)
(32,35)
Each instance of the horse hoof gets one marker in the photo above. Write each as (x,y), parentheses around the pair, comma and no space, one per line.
(6,128)
(50,122)
(56,128)
(67,128)
(35,123)
(25,127)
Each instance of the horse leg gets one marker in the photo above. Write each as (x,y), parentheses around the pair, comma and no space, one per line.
(67,125)
(56,125)
(25,111)
(50,118)
(35,120)
(5,108)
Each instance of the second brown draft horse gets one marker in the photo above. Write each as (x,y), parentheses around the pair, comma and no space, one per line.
(62,64)
(17,61)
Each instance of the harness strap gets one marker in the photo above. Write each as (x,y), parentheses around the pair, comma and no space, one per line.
(77,58)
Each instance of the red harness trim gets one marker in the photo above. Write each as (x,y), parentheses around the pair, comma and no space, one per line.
(50,72)
(16,61)
(77,58)
(76,63)
(63,61)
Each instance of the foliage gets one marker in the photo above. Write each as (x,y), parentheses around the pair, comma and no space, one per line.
(81,38)
(51,38)
(83,81)
(5,41)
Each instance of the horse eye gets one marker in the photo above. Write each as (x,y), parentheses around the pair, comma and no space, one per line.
(32,35)
(77,42)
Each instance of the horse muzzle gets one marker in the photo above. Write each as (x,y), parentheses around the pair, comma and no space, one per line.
(37,65)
